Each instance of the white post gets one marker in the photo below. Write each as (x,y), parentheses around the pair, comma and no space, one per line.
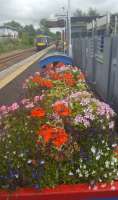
(69,29)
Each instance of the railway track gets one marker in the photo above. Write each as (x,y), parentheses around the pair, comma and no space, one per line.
(8,60)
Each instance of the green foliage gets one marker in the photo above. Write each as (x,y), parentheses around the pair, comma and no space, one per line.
(25,39)
(90,12)
(15,25)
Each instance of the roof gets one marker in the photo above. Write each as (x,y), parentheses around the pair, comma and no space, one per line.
(8,27)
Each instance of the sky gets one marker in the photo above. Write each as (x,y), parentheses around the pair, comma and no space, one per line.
(31,11)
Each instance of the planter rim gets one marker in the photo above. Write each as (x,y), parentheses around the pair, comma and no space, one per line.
(69,192)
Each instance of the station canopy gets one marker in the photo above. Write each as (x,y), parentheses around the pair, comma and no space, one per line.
(56,24)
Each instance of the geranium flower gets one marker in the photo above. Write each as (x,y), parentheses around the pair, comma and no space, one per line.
(38,112)
(46,132)
(36,79)
(61,109)
(56,135)
(47,83)
(61,137)
(68,75)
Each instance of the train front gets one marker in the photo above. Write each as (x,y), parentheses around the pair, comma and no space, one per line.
(41,42)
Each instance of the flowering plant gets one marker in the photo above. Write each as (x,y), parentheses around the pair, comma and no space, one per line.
(61,135)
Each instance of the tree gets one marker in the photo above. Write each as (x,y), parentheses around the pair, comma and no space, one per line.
(93,12)
(79,13)
(44,26)
(45,30)
(15,25)
(30,30)
(90,12)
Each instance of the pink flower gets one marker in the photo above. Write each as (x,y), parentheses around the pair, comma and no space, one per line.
(25,101)
(24,86)
(41,97)
(37,73)
(14,106)
(36,98)
(27,81)
(30,105)
(3,108)
(30,77)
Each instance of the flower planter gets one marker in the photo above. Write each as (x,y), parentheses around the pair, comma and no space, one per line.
(65,192)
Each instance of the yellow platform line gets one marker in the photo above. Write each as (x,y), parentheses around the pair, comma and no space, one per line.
(8,78)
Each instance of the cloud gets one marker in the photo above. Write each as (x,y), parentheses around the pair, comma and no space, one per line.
(31,11)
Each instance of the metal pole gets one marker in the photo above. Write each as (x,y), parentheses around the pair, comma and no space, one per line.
(69,29)
(116,24)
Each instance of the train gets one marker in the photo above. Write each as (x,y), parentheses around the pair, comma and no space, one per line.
(42,41)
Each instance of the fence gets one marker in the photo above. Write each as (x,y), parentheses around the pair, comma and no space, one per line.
(97,56)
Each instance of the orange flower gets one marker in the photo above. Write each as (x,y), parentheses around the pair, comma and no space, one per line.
(70,82)
(46,132)
(47,83)
(36,79)
(38,112)
(55,76)
(57,136)
(68,75)
(61,138)
(61,109)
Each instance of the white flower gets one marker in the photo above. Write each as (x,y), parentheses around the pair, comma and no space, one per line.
(80,175)
(93,150)
(105,175)
(98,157)
(84,166)
(42,162)
(111,124)
(21,155)
(107,163)
(5,157)
(78,170)
(16,175)
(29,161)
(114,145)
(70,174)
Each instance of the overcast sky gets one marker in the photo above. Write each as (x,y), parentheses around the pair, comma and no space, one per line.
(31,11)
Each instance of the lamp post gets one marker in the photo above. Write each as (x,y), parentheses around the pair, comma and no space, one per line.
(69,30)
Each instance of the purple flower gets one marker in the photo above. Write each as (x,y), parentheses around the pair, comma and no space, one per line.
(82,120)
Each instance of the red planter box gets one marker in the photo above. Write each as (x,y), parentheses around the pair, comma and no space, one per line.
(65,192)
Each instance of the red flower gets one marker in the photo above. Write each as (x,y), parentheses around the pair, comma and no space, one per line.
(68,75)
(46,132)
(61,138)
(36,79)
(47,83)
(61,109)
(57,136)
(38,112)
